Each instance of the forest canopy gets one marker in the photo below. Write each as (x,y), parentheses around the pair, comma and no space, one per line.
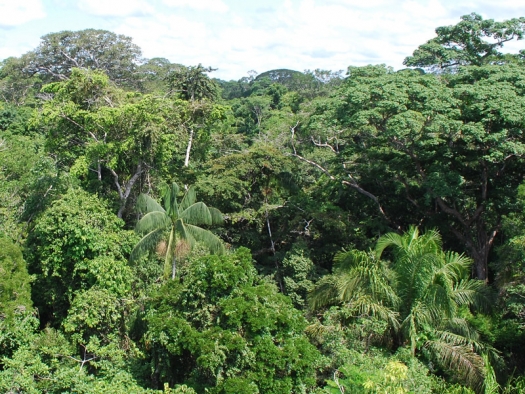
(313,231)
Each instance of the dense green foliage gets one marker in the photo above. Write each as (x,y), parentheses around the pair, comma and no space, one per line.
(223,327)
(368,235)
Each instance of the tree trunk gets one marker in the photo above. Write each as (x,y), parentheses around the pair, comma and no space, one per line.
(485,240)
(125,189)
(479,245)
(188,149)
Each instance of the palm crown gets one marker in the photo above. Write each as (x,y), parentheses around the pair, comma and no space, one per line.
(177,224)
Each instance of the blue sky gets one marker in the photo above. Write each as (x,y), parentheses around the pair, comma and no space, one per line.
(237,36)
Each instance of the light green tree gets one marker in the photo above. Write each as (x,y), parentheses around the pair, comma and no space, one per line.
(173,229)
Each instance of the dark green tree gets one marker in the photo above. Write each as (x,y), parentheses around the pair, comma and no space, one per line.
(419,148)
(76,244)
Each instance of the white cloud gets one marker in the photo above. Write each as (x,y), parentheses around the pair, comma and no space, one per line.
(13,12)
(298,34)
(171,36)
(118,8)
(201,5)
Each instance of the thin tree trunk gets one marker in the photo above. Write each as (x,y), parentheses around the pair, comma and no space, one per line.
(188,149)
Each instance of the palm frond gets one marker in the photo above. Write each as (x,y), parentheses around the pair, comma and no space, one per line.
(461,359)
(188,199)
(197,214)
(461,340)
(148,242)
(367,306)
(388,240)
(181,231)
(153,220)
(439,295)
(348,286)
(217,218)
(325,293)
(472,292)
(146,204)
(456,265)
(461,327)
(169,197)
(208,239)
(361,273)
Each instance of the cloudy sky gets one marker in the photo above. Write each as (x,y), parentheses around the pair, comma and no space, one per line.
(237,36)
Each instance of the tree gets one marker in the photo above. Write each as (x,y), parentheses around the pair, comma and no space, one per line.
(176,226)
(191,83)
(222,329)
(16,87)
(49,363)
(153,75)
(76,244)
(98,131)
(59,53)
(424,149)
(419,294)
(473,41)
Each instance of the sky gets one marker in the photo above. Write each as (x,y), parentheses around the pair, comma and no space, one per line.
(238,36)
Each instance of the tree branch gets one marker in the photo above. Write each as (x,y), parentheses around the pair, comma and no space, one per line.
(352,183)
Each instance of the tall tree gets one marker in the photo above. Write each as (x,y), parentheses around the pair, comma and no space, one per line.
(59,53)
(192,85)
(473,41)
(423,149)
(176,226)
(96,130)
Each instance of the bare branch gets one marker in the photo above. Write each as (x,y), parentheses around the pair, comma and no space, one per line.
(352,183)
(325,145)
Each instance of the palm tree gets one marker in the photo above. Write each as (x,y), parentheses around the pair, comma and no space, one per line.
(433,286)
(363,283)
(420,294)
(176,226)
